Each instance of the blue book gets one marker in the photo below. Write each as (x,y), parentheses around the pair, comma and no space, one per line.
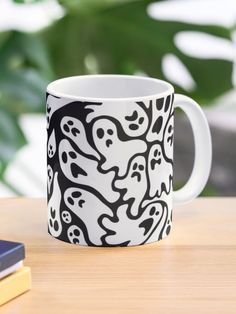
(11,253)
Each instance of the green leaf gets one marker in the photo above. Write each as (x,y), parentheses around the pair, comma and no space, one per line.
(122,38)
(25,72)
(11,139)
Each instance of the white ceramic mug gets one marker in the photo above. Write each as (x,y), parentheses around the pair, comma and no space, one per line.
(110,158)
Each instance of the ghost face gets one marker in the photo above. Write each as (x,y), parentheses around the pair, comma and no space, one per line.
(116,153)
(88,208)
(105,136)
(49,178)
(52,145)
(54,219)
(130,115)
(74,129)
(160,172)
(135,183)
(75,235)
(169,139)
(82,170)
(148,227)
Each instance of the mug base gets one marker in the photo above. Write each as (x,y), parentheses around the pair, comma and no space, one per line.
(111,245)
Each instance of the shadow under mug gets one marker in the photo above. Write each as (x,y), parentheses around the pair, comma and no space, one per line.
(110,158)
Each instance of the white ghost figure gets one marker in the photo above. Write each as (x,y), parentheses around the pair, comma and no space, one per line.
(49,177)
(144,229)
(135,183)
(160,172)
(53,104)
(168,140)
(88,208)
(83,170)
(117,153)
(52,145)
(130,115)
(74,129)
(75,235)
(161,110)
(66,216)
(54,220)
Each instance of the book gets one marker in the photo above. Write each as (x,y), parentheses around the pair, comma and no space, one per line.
(10,254)
(15,284)
(11,269)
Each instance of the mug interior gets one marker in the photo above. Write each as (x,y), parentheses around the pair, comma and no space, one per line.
(108,87)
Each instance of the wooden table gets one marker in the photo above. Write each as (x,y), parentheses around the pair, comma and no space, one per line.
(191,271)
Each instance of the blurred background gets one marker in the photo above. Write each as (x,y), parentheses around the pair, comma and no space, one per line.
(190,43)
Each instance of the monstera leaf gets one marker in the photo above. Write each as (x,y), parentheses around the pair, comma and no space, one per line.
(25,72)
(120,37)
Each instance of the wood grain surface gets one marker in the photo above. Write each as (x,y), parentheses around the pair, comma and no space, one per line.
(191,271)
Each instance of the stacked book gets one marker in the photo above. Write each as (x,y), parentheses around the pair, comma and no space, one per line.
(15,279)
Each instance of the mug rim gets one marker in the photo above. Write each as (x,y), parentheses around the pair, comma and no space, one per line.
(51,88)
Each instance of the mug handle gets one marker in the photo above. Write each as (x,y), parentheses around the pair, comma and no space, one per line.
(203,150)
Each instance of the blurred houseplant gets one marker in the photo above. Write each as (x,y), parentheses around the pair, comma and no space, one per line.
(103,36)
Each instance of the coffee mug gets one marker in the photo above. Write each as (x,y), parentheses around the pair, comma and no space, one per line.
(110,158)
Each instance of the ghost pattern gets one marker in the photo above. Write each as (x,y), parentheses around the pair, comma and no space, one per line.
(83,170)
(53,103)
(49,178)
(134,183)
(54,219)
(74,129)
(148,227)
(66,216)
(160,172)
(132,117)
(110,171)
(75,235)
(110,146)
(80,202)
(168,140)
(52,145)
(161,109)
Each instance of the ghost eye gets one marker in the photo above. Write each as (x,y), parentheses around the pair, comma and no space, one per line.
(141,167)
(100,133)
(110,131)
